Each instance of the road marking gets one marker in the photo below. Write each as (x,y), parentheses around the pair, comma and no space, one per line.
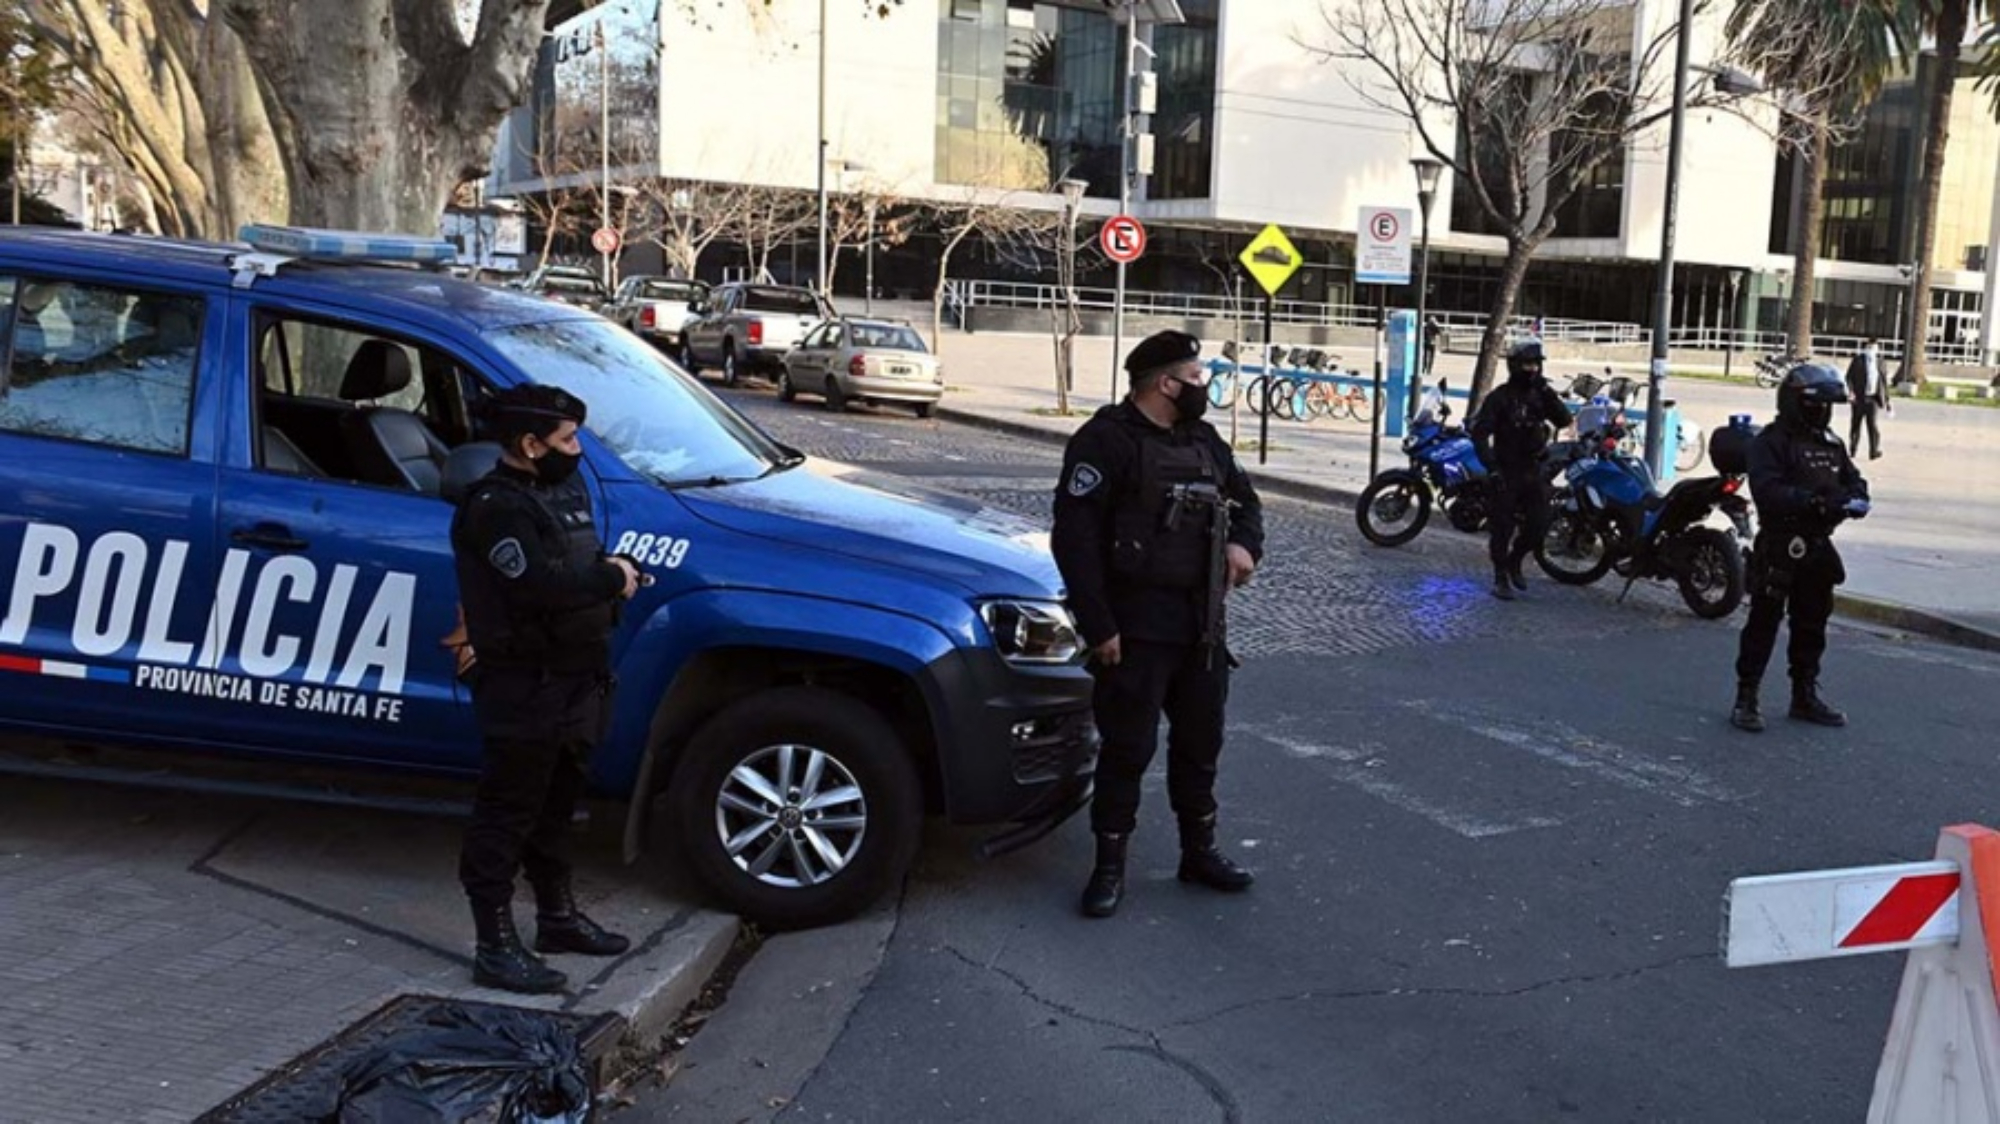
(1357,767)
(1560,744)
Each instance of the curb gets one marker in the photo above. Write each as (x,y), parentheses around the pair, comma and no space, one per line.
(1921,622)
(652,990)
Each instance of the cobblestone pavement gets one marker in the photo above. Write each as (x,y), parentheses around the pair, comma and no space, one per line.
(1323,590)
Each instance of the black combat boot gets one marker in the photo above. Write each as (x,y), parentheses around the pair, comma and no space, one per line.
(1106,887)
(1745,715)
(500,960)
(561,927)
(1807,706)
(1514,574)
(1503,585)
(1201,862)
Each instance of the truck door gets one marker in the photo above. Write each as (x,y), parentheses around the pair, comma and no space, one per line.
(336,572)
(107,516)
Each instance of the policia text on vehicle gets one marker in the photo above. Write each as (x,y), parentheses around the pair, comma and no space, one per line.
(1154,522)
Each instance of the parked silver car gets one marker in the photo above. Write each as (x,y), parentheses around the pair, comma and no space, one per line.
(656,309)
(875,361)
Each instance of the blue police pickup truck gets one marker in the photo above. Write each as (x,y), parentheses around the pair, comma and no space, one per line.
(224,528)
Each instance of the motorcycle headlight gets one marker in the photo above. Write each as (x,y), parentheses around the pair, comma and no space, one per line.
(1032,632)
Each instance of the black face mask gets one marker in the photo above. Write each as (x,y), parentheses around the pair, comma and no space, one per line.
(556,466)
(1192,402)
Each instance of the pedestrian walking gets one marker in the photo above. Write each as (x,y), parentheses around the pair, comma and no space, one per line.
(540,600)
(1154,523)
(1868,391)
(1433,332)
(1510,432)
(1805,486)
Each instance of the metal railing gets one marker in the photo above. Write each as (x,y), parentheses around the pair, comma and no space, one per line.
(1462,329)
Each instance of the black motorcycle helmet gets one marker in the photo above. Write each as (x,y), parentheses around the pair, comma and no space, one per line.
(1524,361)
(1808,394)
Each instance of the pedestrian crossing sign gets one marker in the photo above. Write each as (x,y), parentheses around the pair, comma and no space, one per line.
(1271,259)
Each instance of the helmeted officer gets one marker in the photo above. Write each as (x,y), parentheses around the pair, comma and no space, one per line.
(1511,432)
(540,601)
(1135,547)
(1805,485)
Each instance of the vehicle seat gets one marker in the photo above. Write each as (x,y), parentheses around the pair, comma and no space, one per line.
(281,455)
(391,446)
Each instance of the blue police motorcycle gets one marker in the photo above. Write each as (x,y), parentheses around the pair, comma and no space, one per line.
(1444,471)
(1608,516)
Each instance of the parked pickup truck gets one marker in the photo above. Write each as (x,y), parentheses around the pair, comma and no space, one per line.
(224,538)
(656,309)
(745,327)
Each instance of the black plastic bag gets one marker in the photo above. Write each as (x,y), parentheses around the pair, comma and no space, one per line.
(466,1066)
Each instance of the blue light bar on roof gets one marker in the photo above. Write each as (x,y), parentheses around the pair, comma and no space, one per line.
(347,245)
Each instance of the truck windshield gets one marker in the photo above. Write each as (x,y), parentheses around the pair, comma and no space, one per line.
(656,417)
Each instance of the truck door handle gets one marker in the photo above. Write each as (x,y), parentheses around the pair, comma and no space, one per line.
(269,536)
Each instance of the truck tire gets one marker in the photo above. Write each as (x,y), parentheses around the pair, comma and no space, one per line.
(843,826)
(687,357)
(729,372)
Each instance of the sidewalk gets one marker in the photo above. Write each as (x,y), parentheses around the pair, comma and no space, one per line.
(1927,559)
(162,951)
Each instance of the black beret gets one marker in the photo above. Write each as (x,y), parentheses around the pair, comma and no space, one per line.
(531,408)
(1161,349)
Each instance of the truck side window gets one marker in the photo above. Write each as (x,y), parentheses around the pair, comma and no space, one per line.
(93,363)
(346,403)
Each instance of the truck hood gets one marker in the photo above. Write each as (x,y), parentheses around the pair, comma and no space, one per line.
(826,505)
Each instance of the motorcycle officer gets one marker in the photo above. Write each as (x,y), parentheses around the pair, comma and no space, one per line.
(540,601)
(1140,565)
(1511,432)
(1805,485)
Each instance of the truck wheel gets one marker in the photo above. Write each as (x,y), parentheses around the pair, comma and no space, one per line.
(729,372)
(786,391)
(797,807)
(687,358)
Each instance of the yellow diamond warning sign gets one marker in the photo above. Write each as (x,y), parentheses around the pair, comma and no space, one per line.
(1271,259)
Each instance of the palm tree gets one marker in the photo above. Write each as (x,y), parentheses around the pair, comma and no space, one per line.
(1826,59)
(1945,22)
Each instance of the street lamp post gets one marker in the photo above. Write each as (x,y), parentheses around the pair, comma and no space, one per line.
(1663,297)
(868,298)
(1132,12)
(1730,321)
(821,150)
(604,140)
(1428,170)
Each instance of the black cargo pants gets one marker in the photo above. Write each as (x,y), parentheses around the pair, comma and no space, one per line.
(1782,586)
(1517,514)
(538,729)
(1151,679)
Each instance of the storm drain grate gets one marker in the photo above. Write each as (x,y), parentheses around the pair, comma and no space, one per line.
(304,1086)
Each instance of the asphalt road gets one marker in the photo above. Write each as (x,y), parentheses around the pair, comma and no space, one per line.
(1492,842)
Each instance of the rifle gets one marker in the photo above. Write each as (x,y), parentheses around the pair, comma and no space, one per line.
(1210,498)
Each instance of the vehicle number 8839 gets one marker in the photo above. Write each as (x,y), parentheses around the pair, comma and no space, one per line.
(652,550)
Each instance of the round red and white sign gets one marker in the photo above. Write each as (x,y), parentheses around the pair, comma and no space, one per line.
(1123,239)
(604,240)
(1384,227)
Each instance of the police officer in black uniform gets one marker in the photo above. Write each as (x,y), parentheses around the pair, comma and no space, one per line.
(1511,432)
(1139,571)
(1805,485)
(540,600)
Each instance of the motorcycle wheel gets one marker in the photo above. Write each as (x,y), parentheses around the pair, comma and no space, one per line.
(1712,580)
(1467,510)
(1573,551)
(1387,504)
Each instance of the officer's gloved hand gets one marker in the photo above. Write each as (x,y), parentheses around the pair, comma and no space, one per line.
(1856,508)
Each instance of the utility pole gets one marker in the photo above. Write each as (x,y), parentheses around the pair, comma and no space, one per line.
(821,148)
(604,139)
(1656,382)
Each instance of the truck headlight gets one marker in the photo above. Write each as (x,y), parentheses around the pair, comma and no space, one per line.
(1038,632)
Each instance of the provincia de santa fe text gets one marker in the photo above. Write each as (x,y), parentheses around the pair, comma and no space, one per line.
(278,632)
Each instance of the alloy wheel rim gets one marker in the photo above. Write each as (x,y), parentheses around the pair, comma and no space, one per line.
(791,816)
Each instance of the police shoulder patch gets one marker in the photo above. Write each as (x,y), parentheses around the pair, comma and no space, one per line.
(508,558)
(1084,479)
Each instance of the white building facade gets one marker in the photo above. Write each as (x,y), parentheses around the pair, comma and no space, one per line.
(942,99)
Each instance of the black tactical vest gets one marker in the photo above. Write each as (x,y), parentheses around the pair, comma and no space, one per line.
(509,630)
(1143,548)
